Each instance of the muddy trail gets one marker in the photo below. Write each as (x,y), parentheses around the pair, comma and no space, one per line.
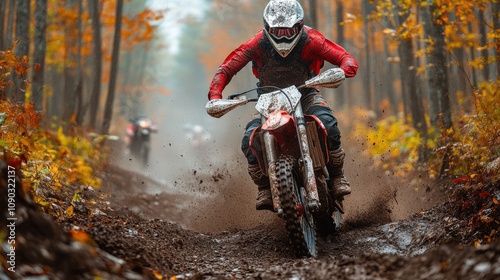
(203,225)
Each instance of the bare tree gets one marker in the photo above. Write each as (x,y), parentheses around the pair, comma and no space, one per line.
(341,93)
(496,25)
(39,53)
(22,49)
(483,41)
(11,11)
(3,12)
(431,69)
(313,13)
(472,52)
(78,91)
(387,80)
(108,110)
(438,57)
(413,101)
(70,68)
(368,68)
(97,60)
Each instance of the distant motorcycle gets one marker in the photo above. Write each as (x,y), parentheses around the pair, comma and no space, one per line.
(294,157)
(138,137)
(196,135)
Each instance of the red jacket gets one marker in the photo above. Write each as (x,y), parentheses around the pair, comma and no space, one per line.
(314,50)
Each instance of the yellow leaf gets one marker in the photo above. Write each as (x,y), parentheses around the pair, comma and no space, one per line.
(69,212)
(40,201)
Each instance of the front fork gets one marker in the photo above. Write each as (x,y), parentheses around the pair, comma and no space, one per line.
(306,160)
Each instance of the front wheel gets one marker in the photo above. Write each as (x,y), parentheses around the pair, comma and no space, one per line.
(298,219)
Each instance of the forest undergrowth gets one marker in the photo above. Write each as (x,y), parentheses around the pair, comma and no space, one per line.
(56,160)
(464,157)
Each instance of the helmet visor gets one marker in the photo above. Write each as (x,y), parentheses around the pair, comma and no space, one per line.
(284,32)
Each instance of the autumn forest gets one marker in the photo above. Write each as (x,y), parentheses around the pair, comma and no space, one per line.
(72,72)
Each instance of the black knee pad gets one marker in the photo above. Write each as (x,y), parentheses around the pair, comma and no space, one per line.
(333,137)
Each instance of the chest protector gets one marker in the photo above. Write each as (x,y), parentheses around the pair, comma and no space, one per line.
(283,71)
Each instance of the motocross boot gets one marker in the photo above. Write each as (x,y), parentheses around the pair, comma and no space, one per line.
(340,185)
(264,197)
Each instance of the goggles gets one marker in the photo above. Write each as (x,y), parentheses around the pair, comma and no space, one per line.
(285,32)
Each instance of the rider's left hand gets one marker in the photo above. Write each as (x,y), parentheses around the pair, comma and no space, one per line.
(339,77)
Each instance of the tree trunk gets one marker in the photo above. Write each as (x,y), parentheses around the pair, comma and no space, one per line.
(472,57)
(368,69)
(78,91)
(409,79)
(39,54)
(108,111)
(496,24)
(388,79)
(53,103)
(440,88)
(483,41)
(431,68)
(414,100)
(23,35)
(96,79)
(376,59)
(389,82)
(313,14)
(341,92)
(463,86)
(11,11)
(70,68)
(3,13)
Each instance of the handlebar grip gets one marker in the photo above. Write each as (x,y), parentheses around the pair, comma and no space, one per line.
(233,96)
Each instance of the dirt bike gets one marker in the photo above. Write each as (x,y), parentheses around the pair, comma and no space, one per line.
(294,157)
(140,139)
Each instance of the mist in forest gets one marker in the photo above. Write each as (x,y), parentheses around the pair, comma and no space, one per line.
(189,143)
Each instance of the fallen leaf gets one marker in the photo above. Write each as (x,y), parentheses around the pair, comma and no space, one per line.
(484,194)
(69,212)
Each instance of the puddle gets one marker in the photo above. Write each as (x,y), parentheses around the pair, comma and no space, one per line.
(400,238)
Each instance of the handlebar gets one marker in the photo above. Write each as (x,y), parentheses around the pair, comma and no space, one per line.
(331,78)
(235,95)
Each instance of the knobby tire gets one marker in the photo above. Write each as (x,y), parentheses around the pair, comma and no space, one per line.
(301,230)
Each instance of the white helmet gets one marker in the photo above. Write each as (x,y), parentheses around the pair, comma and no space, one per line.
(283,23)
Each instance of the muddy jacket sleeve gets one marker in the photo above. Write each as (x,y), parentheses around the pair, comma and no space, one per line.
(233,63)
(325,49)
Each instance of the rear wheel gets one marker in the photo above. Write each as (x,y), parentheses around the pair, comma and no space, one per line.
(299,222)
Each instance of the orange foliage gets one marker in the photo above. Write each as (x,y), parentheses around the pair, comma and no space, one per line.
(62,30)
(49,160)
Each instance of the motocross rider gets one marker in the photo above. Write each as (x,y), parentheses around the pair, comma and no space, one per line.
(131,133)
(284,53)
